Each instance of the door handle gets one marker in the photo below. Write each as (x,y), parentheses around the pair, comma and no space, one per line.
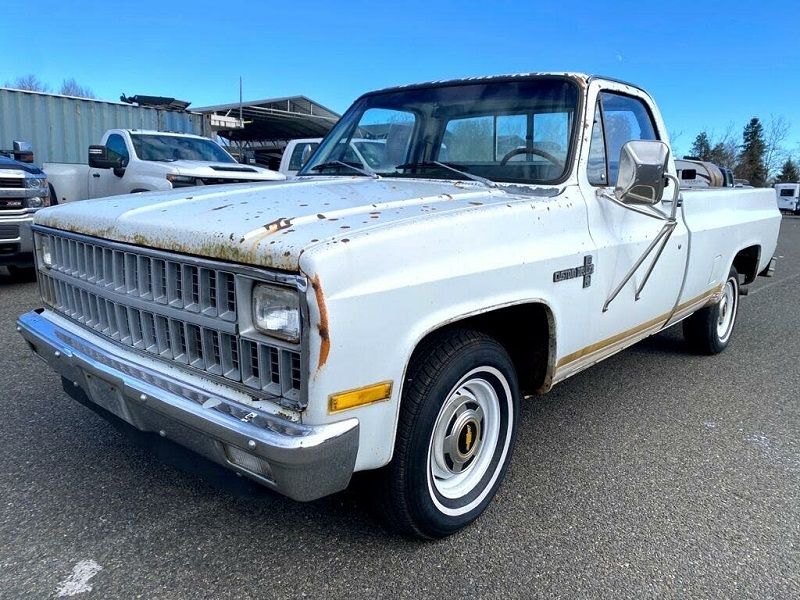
(96,175)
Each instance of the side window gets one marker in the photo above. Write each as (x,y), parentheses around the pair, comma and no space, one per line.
(596,167)
(625,118)
(116,147)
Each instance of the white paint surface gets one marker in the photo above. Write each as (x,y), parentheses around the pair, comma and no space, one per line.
(78,580)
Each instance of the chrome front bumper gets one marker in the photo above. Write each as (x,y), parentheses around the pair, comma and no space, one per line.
(16,240)
(303,462)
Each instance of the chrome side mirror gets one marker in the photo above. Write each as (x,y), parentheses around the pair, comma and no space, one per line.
(307,152)
(642,168)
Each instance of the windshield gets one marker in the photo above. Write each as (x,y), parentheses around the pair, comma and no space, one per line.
(174,147)
(517,131)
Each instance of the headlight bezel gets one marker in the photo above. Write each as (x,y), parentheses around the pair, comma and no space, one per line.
(179,181)
(35,183)
(273,299)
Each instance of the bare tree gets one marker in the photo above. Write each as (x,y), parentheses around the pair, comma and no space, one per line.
(674,136)
(70,87)
(776,132)
(724,148)
(28,82)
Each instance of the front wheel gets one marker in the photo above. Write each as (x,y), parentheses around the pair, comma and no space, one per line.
(708,331)
(456,431)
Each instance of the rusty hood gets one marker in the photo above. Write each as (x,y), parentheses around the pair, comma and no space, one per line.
(268,224)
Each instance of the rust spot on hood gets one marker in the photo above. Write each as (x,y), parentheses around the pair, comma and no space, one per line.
(278,224)
(322,326)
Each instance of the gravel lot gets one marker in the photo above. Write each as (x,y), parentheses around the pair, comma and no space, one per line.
(654,474)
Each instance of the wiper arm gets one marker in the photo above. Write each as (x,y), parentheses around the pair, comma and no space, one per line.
(339,163)
(435,163)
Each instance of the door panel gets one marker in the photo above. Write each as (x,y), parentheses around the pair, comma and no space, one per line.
(104,182)
(621,236)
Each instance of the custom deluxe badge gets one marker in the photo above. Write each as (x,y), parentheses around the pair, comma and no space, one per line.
(584,271)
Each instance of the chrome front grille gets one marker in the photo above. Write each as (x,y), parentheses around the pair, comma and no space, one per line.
(183,311)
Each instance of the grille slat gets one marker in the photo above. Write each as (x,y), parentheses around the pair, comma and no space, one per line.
(163,290)
(12,182)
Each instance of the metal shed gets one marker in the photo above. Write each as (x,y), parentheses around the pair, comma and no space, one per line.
(61,128)
(266,125)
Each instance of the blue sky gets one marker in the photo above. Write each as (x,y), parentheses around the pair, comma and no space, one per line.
(708,64)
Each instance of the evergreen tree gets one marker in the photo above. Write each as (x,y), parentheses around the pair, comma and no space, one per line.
(751,159)
(789,173)
(701,148)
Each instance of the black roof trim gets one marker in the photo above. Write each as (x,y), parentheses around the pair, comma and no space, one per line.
(575,77)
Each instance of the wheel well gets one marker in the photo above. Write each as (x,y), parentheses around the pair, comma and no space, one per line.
(746,262)
(526,331)
(53,195)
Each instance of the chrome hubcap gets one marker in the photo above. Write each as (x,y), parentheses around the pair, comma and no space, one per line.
(464,438)
(727,311)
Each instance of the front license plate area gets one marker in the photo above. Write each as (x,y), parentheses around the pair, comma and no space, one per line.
(106,395)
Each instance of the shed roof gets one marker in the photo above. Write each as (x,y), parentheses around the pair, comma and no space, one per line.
(276,119)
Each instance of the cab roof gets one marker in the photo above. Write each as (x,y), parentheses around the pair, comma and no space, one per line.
(579,77)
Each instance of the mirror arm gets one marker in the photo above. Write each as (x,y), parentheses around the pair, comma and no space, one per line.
(675,195)
(660,241)
(663,234)
(653,213)
(666,232)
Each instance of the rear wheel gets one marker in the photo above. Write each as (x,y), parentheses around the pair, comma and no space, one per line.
(708,331)
(456,431)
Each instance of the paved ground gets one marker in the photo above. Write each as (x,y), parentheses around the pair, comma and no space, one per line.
(655,474)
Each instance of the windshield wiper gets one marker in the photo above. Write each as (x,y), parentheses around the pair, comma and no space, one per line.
(436,163)
(339,163)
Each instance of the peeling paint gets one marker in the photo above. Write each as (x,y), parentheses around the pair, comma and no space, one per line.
(278,224)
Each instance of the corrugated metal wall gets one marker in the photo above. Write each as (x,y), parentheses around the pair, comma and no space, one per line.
(61,128)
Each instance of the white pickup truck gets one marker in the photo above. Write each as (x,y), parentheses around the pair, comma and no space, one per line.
(367,152)
(393,316)
(131,160)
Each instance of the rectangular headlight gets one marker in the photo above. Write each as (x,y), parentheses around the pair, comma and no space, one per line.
(179,181)
(276,312)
